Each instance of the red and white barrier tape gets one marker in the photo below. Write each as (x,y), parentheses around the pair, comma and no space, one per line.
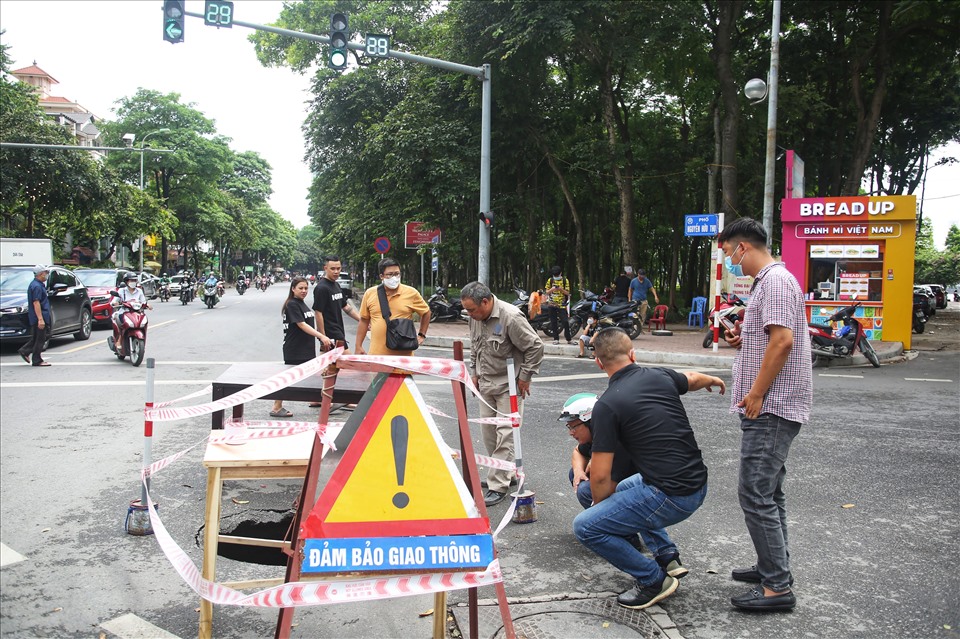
(271,384)
(296,594)
(200,393)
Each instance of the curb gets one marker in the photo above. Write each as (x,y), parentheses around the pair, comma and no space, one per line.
(892,353)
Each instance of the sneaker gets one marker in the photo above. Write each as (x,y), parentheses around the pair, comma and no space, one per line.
(638,597)
(556,342)
(492,498)
(672,566)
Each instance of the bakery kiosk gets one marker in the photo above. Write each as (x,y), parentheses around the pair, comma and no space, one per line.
(855,249)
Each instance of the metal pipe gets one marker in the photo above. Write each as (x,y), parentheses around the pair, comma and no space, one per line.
(769,173)
(483,248)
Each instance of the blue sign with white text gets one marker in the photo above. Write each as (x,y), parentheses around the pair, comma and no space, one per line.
(397,553)
(701,225)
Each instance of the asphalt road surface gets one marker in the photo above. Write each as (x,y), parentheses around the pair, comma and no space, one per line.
(872,496)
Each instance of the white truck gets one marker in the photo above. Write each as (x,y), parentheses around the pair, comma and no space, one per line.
(16,251)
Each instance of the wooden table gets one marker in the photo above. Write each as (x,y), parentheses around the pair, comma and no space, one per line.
(275,458)
(350,387)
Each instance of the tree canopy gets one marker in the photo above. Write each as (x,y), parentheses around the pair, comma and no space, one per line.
(608,120)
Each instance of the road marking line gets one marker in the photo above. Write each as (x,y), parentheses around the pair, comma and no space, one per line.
(92,344)
(132,382)
(836,375)
(130,626)
(9,556)
(924,379)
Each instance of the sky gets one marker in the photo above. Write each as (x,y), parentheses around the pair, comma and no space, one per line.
(103,51)
(261,109)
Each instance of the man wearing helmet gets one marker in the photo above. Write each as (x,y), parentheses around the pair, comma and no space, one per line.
(577,413)
(641,412)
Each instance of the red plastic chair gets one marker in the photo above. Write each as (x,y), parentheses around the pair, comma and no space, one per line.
(659,318)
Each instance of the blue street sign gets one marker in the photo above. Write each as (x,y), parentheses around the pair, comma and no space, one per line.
(354,554)
(701,225)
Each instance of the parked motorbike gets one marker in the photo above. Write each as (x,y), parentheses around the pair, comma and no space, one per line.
(539,323)
(443,309)
(919,317)
(732,309)
(210,296)
(241,285)
(625,315)
(589,302)
(164,292)
(130,335)
(841,343)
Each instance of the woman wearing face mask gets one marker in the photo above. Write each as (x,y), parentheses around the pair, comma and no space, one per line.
(403,300)
(299,334)
(130,292)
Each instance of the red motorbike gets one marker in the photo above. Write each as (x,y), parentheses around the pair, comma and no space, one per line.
(130,334)
(841,343)
(732,309)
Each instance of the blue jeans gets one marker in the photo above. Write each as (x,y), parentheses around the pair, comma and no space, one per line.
(763,457)
(584,496)
(635,507)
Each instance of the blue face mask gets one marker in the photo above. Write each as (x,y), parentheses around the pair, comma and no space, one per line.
(734,269)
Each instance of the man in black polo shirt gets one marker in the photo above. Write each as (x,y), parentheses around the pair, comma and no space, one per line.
(330,303)
(641,410)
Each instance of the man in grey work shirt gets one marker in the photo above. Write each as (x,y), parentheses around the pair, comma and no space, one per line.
(498,332)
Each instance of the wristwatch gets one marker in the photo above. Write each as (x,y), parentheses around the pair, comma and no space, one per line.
(422,335)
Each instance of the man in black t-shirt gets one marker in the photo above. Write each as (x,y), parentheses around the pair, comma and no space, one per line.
(641,412)
(330,303)
(621,285)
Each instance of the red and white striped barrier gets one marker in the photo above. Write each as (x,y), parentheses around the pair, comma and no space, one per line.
(299,593)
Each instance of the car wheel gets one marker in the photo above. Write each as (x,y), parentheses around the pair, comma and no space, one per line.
(86,325)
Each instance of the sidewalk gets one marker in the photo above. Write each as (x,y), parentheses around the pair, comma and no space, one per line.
(683,348)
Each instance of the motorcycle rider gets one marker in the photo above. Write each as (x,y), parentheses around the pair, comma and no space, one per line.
(129,293)
(213,282)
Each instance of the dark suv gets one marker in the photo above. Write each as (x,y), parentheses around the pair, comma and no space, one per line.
(69,304)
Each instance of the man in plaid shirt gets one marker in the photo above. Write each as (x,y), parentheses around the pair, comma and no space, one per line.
(773,392)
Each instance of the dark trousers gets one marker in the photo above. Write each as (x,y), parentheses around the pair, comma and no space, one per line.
(34,347)
(558,314)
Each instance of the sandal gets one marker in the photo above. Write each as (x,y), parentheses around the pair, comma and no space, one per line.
(283,412)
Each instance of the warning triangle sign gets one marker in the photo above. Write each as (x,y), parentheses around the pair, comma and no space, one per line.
(396,477)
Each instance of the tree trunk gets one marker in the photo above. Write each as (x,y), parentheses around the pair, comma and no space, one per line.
(622,177)
(868,108)
(730,10)
(578,235)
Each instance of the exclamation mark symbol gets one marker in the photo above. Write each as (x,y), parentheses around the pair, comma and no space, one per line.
(398,435)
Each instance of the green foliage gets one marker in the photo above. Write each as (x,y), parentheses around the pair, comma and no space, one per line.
(936,267)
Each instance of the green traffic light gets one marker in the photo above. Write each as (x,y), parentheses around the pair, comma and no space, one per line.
(338,59)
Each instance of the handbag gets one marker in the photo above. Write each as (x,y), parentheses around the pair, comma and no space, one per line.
(401,333)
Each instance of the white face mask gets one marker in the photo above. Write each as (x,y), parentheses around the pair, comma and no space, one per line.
(132,284)
(392,282)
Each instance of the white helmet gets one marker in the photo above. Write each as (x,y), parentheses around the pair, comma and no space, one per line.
(579,406)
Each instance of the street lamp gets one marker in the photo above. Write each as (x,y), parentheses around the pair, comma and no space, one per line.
(142,142)
(756,90)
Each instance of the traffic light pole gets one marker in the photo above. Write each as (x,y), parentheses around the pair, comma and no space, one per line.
(481,72)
